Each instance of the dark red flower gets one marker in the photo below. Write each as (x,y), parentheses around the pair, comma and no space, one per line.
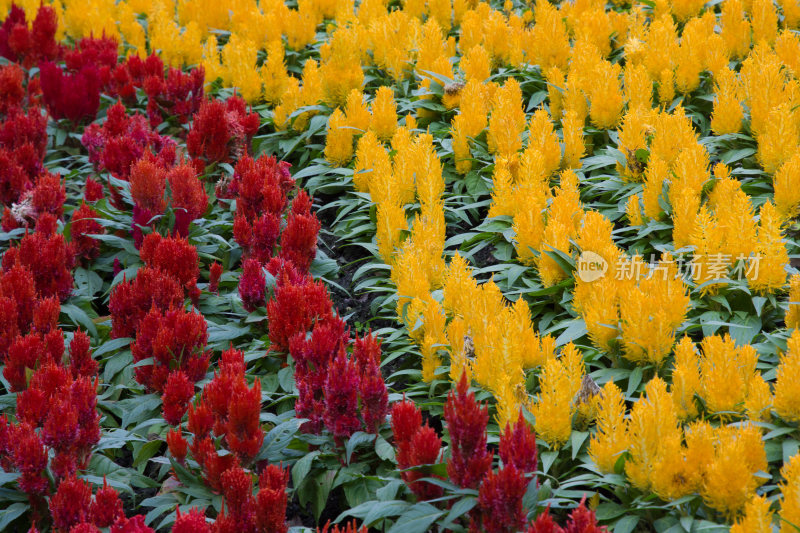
(177,393)
(174,339)
(11,90)
(406,420)
(192,522)
(374,397)
(70,504)
(106,507)
(466,423)
(518,446)
(83,226)
(50,259)
(131,300)
(134,524)
(299,239)
(341,398)
(188,197)
(296,306)
(177,444)
(73,96)
(243,433)
(252,285)
(214,273)
(272,499)
(173,255)
(93,190)
(500,501)
(221,131)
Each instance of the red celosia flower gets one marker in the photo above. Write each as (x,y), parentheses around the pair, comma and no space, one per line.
(32,406)
(177,444)
(49,195)
(299,239)
(295,307)
(26,135)
(19,44)
(179,94)
(50,260)
(106,507)
(98,51)
(423,449)
(201,419)
(214,465)
(84,527)
(271,500)
(466,423)
(70,504)
(192,522)
(214,273)
(24,353)
(61,425)
(240,512)
(45,315)
(257,238)
(131,73)
(500,501)
(221,131)
(406,420)
(189,199)
(122,140)
(366,349)
(518,446)
(148,184)
(11,90)
(243,433)
(84,225)
(29,456)
(14,181)
(252,285)
(313,356)
(217,393)
(177,393)
(134,524)
(73,96)
(581,520)
(349,527)
(93,190)
(260,186)
(131,300)
(374,397)
(341,398)
(173,255)
(80,356)
(174,339)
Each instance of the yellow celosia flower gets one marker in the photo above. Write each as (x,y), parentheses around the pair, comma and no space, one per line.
(341,70)
(793,313)
(666,86)
(790,492)
(735,28)
(786,402)
(648,332)
(633,210)
(728,114)
(434,339)
(574,147)
(273,73)
(763,81)
(559,382)
(771,255)
(547,42)
(787,47)
(611,438)
(779,140)
(656,173)
(638,87)
(632,136)
(356,111)
(542,138)
(685,379)
(507,121)
(730,480)
(239,62)
(759,399)
(300,27)
(338,140)
(764,20)
(661,47)
(757,517)
(529,204)
(652,428)
(726,371)
(476,64)
(384,114)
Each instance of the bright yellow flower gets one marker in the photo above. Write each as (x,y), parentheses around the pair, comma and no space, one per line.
(611,438)
(790,492)
(384,114)
(338,140)
(771,255)
(507,121)
(757,517)
(559,382)
(793,314)
(728,114)
(726,371)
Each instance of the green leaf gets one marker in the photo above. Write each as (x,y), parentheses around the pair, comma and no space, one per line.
(383,449)
(359,437)
(417,519)
(302,467)
(626,524)
(11,513)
